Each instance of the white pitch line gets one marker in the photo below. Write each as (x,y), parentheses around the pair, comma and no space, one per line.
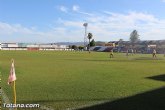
(5,98)
(7,101)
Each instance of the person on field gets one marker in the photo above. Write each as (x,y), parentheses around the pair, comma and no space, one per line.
(132,52)
(154,53)
(111,53)
(127,53)
(135,51)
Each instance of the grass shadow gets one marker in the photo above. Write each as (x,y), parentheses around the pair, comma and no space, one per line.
(159,77)
(151,100)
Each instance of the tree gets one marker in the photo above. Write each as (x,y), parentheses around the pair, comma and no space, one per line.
(81,47)
(74,47)
(70,46)
(89,37)
(134,37)
(92,43)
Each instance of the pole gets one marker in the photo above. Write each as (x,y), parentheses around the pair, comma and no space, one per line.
(14,94)
(14,90)
(85,35)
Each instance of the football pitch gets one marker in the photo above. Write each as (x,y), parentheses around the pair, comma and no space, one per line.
(69,80)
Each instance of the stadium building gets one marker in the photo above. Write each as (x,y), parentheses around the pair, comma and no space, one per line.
(31,46)
(145,46)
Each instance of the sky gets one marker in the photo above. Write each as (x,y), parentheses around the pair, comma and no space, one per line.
(49,21)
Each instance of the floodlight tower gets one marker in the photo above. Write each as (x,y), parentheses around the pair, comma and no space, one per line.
(85,35)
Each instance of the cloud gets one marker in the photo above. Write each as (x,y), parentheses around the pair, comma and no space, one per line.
(19,33)
(113,26)
(15,28)
(85,13)
(105,26)
(116,25)
(63,9)
(75,8)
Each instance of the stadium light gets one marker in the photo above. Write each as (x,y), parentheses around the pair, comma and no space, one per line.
(85,35)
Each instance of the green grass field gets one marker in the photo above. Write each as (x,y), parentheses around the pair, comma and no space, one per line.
(72,79)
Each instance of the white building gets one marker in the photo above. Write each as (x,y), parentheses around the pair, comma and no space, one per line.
(16,46)
(9,45)
(4,45)
(13,45)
